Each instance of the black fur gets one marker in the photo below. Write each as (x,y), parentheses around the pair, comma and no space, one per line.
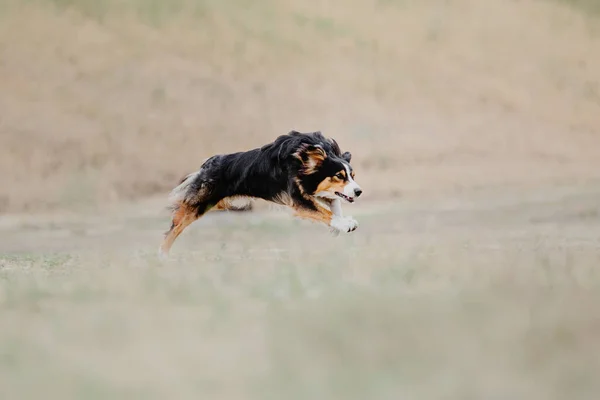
(272,172)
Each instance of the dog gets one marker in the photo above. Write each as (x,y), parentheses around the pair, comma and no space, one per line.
(304,171)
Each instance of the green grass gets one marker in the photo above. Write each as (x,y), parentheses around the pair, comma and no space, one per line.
(149,10)
(591,7)
(156,12)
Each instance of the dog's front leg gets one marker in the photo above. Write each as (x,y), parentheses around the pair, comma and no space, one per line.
(332,218)
(318,214)
(338,222)
(343,224)
(336,208)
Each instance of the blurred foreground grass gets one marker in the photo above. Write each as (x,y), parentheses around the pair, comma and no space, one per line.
(471,300)
(294,329)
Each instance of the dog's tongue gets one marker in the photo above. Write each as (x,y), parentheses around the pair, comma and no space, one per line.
(350,199)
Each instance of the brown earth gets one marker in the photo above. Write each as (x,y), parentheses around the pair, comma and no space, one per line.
(106,101)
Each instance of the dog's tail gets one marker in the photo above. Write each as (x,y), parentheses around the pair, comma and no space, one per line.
(181,193)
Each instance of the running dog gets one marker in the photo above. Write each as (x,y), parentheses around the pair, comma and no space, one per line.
(304,171)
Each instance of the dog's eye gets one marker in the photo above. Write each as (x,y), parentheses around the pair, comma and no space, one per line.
(339,175)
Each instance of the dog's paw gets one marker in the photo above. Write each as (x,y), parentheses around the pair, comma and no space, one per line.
(353,224)
(343,224)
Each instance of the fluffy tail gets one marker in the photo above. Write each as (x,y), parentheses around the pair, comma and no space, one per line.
(181,192)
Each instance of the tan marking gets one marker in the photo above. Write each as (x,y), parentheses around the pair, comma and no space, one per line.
(331,184)
(221,206)
(320,215)
(314,215)
(284,199)
(314,158)
(300,187)
(234,203)
(182,218)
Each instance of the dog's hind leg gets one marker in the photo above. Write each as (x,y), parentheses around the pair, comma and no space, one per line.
(189,201)
(183,216)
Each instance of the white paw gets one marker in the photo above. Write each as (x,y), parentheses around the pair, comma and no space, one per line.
(343,224)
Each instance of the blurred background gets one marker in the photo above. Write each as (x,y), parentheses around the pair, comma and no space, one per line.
(475,132)
(110,100)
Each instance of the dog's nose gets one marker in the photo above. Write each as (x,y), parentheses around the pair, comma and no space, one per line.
(357,192)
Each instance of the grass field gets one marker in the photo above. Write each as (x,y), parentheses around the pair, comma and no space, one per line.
(481,297)
(475,133)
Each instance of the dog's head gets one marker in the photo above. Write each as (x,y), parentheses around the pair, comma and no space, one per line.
(326,173)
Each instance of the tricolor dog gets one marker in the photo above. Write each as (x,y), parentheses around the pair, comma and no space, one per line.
(304,171)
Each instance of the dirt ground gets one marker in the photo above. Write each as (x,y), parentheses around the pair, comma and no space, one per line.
(475,133)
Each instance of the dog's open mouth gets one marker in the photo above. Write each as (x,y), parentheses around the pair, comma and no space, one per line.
(343,196)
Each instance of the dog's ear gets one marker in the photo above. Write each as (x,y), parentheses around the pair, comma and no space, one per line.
(312,156)
(335,147)
(347,156)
